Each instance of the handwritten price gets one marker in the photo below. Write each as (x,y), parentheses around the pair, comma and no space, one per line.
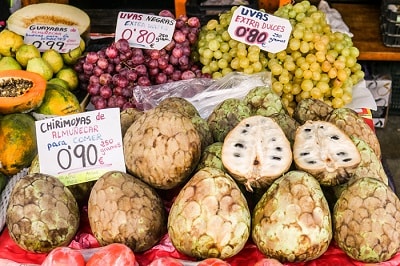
(88,156)
(46,45)
(144,36)
(251,35)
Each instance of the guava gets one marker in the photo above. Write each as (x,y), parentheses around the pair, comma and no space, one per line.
(9,63)
(25,53)
(10,42)
(70,76)
(54,59)
(38,65)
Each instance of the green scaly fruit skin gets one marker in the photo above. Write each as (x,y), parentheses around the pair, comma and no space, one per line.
(288,124)
(179,104)
(226,116)
(211,157)
(311,109)
(354,125)
(372,211)
(262,100)
(370,165)
(278,228)
(42,234)
(209,186)
(81,191)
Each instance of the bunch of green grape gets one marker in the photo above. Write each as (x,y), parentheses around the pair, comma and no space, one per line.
(219,54)
(318,63)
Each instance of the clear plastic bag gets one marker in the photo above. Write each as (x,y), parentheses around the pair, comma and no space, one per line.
(203,93)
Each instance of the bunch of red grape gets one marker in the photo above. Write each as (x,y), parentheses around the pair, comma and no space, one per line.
(111,74)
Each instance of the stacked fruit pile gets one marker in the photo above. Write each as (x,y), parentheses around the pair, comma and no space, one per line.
(55,67)
(286,167)
(111,74)
(293,181)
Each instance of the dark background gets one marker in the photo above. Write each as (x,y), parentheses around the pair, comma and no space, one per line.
(161,4)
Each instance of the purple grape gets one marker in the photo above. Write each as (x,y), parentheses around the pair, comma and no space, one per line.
(170,46)
(117,90)
(112,101)
(122,81)
(176,75)
(173,60)
(91,57)
(179,36)
(128,105)
(141,70)
(169,69)
(105,91)
(87,67)
(102,63)
(183,61)
(105,79)
(137,59)
(193,22)
(166,13)
(183,18)
(161,78)
(153,71)
(143,81)
(131,75)
(179,24)
(162,63)
(120,101)
(93,89)
(97,71)
(186,50)
(100,104)
(127,92)
(94,79)
(112,51)
(154,54)
(152,63)
(122,46)
(177,52)
(188,74)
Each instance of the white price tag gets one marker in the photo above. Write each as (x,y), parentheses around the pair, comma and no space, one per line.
(60,38)
(145,31)
(81,147)
(254,27)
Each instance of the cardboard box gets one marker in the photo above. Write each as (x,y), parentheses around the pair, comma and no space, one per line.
(380,86)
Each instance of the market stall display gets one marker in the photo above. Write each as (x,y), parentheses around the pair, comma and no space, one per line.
(233,154)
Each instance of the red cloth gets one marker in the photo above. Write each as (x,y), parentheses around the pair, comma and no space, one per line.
(249,255)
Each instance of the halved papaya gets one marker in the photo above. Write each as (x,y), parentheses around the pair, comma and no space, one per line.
(20,91)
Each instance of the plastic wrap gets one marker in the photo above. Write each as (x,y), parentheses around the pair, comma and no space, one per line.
(203,93)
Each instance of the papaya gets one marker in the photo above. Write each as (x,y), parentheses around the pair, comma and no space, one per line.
(58,101)
(18,142)
(20,91)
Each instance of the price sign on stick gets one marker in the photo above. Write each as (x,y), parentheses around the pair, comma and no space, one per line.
(80,147)
(145,31)
(254,27)
(60,38)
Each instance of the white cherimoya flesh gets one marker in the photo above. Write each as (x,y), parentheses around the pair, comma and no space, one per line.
(256,152)
(325,151)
